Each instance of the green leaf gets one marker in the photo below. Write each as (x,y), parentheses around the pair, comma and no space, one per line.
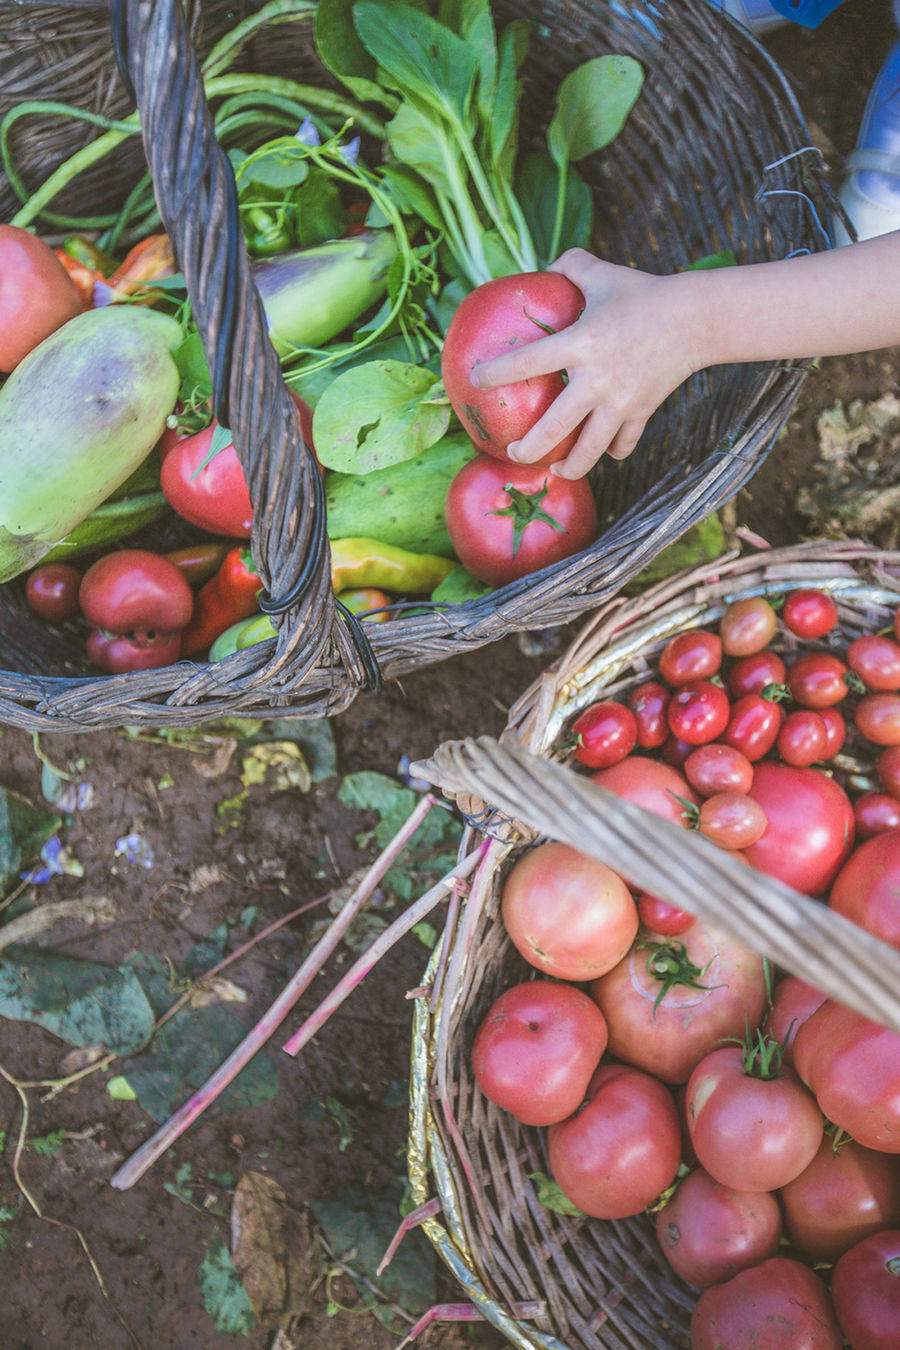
(592,104)
(473,21)
(711,261)
(190,358)
(701,543)
(551,1197)
(339,46)
(537,185)
(504,116)
(412,138)
(372,791)
(24,830)
(224,1297)
(459,586)
(419,57)
(378,414)
(120,1090)
(278,166)
(80,1001)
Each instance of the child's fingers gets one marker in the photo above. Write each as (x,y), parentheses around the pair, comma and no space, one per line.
(544,356)
(565,413)
(598,434)
(625,439)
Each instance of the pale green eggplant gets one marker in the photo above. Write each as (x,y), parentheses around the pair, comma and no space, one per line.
(77,417)
(311,295)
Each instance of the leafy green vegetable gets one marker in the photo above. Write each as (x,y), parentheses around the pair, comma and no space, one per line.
(397,410)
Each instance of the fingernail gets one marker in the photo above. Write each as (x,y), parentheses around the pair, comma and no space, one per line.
(473,377)
(512,451)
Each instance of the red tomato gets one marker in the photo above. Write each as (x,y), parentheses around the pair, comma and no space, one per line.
(732,820)
(497,316)
(536,1049)
(661,917)
(817,680)
(853,1066)
(876,812)
(675,752)
(867,888)
(136,650)
(887,767)
(649,703)
(698,712)
(655,787)
(718,768)
(52,590)
(865,1286)
(793,1001)
(37,295)
(694,655)
(751,674)
(843,1195)
(569,915)
(877,717)
(803,738)
(215,498)
(604,733)
(777,1305)
(708,1232)
(809,613)
(835,731)
(753,725)
(747,626)
(619,1152)
(876,660)
(508,520)
(810,830)
(750,1133)
(135,589)
(672,999)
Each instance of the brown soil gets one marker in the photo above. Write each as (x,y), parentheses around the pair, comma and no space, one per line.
(286,848)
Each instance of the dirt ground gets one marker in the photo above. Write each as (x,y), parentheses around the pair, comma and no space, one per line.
(335,1128)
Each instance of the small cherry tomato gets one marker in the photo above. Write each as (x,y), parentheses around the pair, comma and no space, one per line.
(732,820)
(52,590)
(751,674)
(661,917)
(604,733)
(695,655)
(887,766)
(675,752)
(876,812)
(877,717)
(835,731)
(876,660)
(747,626)
(803,738)
(817,680)
(649,703)
(135,650)
(698,712)
(809,613)
(715,768)
(753,725)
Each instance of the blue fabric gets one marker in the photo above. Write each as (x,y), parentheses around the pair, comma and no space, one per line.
(809,13)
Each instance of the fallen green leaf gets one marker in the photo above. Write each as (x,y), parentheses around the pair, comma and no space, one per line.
(80,1001)
(24,830)
(224,1296)
(120,1089)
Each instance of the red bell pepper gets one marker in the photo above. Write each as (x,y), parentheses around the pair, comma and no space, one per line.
(232,594)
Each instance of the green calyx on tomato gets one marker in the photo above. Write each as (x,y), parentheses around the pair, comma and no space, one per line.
(762,1056)
(523,509)
(670,964)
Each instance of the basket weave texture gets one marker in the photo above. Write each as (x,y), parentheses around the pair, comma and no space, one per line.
(548,1280)
(715,156)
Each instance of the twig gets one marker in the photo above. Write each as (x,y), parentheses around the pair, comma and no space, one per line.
(406,1225)
(135,1167)
(383,943)
(463,1312)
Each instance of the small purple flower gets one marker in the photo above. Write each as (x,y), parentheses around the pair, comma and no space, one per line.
(135,849)
(349,153)
(307,134)
(56,861)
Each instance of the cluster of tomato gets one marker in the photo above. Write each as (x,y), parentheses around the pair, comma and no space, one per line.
(657,1044)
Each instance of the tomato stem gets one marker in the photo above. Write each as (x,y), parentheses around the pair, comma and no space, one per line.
(669,963)
(525,507)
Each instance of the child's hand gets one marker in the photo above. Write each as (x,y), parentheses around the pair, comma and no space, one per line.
(626,353)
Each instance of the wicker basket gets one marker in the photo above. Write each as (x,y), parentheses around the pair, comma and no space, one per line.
(545,1279)
(714,156)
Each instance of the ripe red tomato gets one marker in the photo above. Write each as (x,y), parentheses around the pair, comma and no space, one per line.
(772,1306)
(809,613)
(215,497)
(661,917)
(698,712)
(793,1001)
(750,1133)
(708,1232)
(747,626)
(887,766)
(751,674)
(117,653)
(810,830)
(604,733)
(877,717)
(675,752)
(876,812)
(853,1066)
(865,1285)
(508,520)
(803,738)
(135,589)
(876,660)
(867,888)
(817,680)
(52,590)
(649,703)
(835,731)
(753,725)
(656,787)
(843,1195)
(536,1049)
(499,315)
(732,820)
(718,768)
(694,655)
(619,1152)
(37,295)
(569,915)
(672,999)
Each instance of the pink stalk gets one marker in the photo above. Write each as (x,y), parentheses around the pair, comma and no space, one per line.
(463,1312)
(751,537)
(134,1168)
(407,1223)
(383,943)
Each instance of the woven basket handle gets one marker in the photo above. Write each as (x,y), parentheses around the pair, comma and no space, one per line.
(795,932)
